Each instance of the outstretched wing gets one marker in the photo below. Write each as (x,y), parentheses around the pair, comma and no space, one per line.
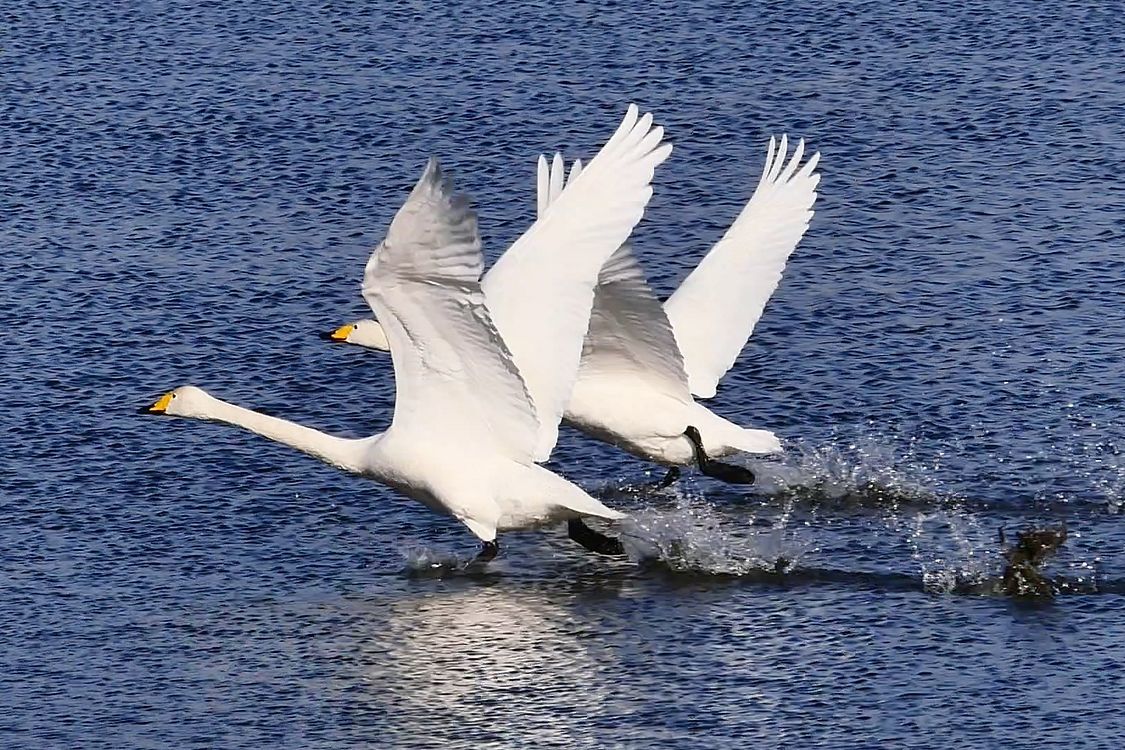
(629,334)
(453,374)
(541,290)
(716,307)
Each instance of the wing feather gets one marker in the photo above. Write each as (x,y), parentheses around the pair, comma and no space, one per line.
(715,309)
(453,374)
(541,290)
(629,335)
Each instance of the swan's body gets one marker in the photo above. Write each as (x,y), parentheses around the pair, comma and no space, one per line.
(466,429)
(642,362)
(650,425)
(434,468)
(645,424)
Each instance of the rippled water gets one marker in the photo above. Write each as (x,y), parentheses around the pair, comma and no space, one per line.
(188,194)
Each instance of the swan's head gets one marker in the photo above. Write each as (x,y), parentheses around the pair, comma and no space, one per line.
(367,333)
(185,401)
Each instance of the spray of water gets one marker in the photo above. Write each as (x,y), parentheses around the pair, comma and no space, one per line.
(694,535)
(426,562)
(862,472)
(888,484)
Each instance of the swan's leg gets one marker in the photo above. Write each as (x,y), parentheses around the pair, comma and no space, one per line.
(717,469)
(488,551)
(672,475)
(592,540)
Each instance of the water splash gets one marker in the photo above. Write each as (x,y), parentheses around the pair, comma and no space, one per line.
(950,550)
(1106,465)
(696,536)
(425,562)
(864,467)
(952,546)
(863,472)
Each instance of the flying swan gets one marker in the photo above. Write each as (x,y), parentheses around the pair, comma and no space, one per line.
(642,362)
(466,427)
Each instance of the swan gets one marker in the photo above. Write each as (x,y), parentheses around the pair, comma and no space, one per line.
(643,363)
(466,426)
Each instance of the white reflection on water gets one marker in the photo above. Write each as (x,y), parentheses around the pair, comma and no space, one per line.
(458,661)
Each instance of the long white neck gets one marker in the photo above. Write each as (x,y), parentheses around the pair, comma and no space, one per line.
(344,453)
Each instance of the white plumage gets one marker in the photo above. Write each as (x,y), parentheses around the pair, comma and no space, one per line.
(465,428)
(715,309)
(641,361)
(540,290)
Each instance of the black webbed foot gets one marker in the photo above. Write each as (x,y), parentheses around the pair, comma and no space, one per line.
(669,479)
(594,541)
(725,472)
(488,552)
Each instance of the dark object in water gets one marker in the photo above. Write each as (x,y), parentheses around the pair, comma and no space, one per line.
(669,478)
(1033,547)
(488,552)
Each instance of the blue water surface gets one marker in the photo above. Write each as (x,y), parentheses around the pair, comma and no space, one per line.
(188,193)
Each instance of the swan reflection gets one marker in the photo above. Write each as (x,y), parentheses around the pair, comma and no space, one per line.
(471,663)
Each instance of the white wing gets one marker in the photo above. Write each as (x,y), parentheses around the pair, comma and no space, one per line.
(541,290)
(551,179)
(716,307)
(453,374)
(629,334)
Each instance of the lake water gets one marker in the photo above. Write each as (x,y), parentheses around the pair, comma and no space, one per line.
(189,193)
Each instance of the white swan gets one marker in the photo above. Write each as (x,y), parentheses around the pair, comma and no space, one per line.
(465,430)
(642,362)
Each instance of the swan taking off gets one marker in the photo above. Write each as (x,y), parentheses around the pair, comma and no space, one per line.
(642,361)
(466,429)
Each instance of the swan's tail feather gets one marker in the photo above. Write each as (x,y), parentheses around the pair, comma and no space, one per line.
(573,497)
(755,441)
(580,502)
(593,507)
(722,437)
(483,530)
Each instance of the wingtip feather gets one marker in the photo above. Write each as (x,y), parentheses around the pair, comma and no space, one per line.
(779,162)
(432,179)
(542,181)
(660,155)
(626,127)
(575,171)
(812,163)
(794,162)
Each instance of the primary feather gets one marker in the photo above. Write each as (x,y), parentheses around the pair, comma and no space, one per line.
(715,309)
(541,290)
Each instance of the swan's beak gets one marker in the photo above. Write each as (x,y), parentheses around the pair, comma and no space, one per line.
(340,334)
(160,406)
